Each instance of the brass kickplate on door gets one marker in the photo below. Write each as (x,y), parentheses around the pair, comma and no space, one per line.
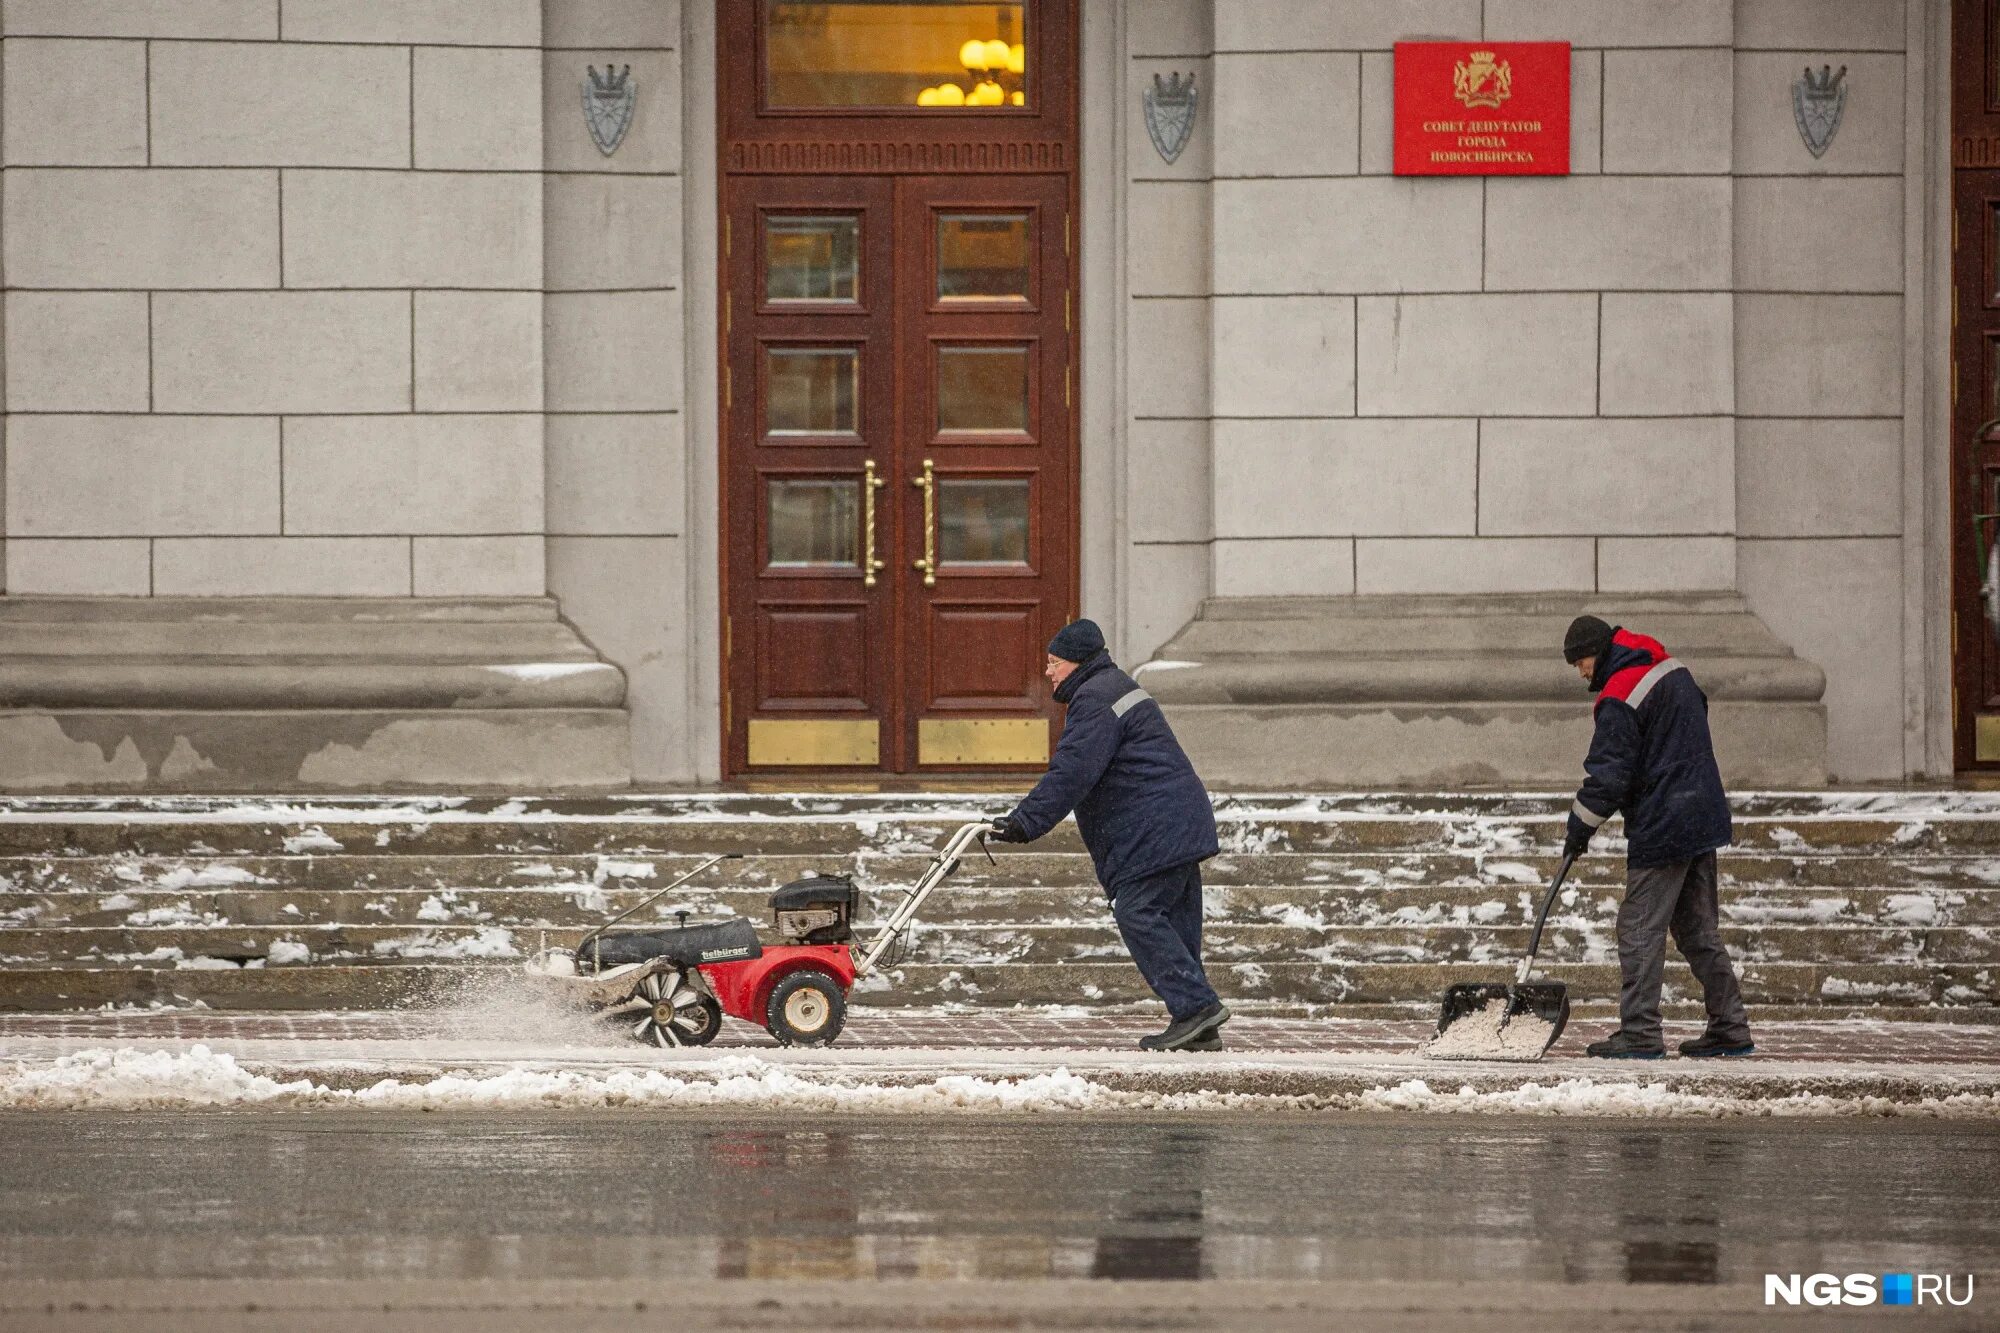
(815,742)
(975,740)
(1986,737)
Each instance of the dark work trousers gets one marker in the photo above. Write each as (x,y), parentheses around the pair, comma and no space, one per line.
(1159,916)
(1679,897)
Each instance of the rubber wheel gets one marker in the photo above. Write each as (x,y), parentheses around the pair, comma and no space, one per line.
(697,1024)
(805,1009)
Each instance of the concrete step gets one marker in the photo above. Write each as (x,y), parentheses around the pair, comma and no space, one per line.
(1319,899)
(308,872)
(576,905)
(1884,989)
(302,694)
(302,749)
(1474,625)
(180,937)
(1463,806)
(1430,691)
(249,831)
(223,611)
(290,686)
(173,643)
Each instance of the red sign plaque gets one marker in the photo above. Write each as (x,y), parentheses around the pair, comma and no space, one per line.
(1482,108)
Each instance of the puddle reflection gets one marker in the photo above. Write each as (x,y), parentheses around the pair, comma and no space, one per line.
(1368,1198)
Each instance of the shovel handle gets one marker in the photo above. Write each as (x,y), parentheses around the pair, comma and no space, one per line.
(1541,917)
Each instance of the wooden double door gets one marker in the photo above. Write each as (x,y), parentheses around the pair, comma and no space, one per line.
(1976,383)
(899,469)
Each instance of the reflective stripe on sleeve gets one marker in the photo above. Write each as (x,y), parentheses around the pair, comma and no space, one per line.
(1586,814)
(1646,682)
(1131,700)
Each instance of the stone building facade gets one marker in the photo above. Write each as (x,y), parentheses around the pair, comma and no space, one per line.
(343,366)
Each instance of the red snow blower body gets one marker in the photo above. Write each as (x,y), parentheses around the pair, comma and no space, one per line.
(679,982)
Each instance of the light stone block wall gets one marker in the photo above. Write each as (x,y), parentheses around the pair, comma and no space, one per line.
(337,296)
(274,296)
(1168,559)
(1678,369)
(613,351)
(1819,268)
(1525,350)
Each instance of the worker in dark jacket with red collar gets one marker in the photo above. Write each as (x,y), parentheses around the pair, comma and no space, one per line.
(1652,758)
(1146,819)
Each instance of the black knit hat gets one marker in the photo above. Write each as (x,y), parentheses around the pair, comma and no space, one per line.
(1587,637)
(1078,641)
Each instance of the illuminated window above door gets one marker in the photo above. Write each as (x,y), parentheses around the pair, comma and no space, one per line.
(941,55)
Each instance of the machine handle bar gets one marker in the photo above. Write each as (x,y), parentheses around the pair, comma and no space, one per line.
(935,873)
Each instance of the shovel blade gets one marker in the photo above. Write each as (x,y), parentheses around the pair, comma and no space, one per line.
(1546,1000)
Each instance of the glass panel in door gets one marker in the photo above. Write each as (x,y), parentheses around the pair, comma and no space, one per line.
(939,55)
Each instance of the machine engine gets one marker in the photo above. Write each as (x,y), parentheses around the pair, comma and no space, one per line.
(818,909)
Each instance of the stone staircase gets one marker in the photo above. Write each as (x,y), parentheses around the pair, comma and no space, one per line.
(1885,903)
(1429,692)
(304,693)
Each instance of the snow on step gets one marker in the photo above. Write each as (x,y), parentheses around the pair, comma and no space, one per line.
(1872,898)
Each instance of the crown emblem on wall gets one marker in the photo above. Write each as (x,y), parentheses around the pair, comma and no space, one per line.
(1817,101)
(611,83)
(1170,109)
(1482,79)
(608,102)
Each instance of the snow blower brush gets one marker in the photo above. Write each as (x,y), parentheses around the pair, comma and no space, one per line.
(1486,1020)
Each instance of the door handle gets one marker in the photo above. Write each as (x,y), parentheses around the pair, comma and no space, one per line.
(927,483)
(870,562)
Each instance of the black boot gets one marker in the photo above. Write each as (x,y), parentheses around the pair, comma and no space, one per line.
(1708,1045)
(1623,1045)
(1180,1035)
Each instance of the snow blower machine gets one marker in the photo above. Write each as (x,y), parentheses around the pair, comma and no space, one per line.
(679,982)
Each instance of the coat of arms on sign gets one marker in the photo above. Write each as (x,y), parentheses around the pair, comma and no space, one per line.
(1170,108)
(1817,101)
(1482,81)
(608,103)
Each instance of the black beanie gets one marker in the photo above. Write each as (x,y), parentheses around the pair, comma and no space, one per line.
(1588,637)
(1078,641)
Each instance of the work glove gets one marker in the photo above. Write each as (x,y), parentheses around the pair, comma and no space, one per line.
(1577,842)
(1006,830)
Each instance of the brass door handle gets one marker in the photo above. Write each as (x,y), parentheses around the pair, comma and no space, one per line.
(928,561)
(870,562)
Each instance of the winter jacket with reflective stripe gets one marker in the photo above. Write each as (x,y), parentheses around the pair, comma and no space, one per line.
(1652,757)
(1138,803)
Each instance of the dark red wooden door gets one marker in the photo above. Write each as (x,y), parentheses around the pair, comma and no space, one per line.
(988,460)
(1975,378)
(809,325)
(900,471)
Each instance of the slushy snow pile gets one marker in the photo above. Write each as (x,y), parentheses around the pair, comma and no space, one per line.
(314,839)
(1487,1033)
(1582,1096)
(484,942)
(127,1079)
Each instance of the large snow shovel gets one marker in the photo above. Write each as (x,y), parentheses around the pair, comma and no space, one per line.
(1485,1020)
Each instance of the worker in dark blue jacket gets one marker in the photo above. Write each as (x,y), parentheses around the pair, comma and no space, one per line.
(1146,819)
(1651,757)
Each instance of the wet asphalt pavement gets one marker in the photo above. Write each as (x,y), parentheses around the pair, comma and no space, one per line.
(610,1195)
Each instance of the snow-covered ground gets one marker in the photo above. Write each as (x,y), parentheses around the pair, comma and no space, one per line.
(468,1075)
